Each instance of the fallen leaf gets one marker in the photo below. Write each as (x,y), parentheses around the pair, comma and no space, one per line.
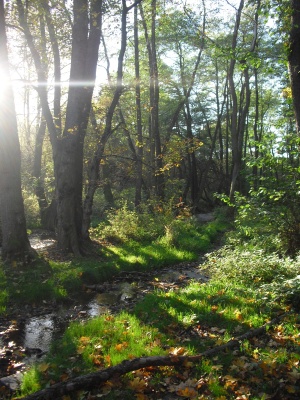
(177,351)
(137,384)
(293,376)
(64,377)
(43,367)
(84,340)
(141,396)
(187,392)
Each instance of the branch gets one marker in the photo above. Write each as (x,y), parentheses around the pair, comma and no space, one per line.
(86,382)
(137,2)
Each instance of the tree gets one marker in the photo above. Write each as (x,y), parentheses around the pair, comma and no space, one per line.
(68,141)
(15,242)
(240,110)
(154,132)
(294,58)
(93,173)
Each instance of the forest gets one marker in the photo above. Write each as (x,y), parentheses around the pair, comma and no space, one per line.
(136,137)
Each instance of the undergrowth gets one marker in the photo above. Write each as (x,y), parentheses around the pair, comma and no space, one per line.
(132,241)
(249,285)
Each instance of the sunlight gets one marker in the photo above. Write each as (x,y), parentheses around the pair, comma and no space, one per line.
(4,82)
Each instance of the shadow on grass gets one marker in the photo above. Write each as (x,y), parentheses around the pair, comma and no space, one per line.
(195,312)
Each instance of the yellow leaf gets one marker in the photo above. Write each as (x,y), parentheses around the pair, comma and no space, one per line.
(141,396)
(80,349)
(121,346)
(291,389)
(43,367)
(217,367)
(238,315)
(187,392)
(177,351)
(84,340)
(137,384)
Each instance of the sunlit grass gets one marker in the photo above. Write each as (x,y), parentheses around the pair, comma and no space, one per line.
(192,319)
(99,343)
(59,281)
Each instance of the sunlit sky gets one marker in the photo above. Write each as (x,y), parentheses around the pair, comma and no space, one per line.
(23,80)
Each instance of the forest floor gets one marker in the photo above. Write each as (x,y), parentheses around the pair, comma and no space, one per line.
(266,366)
(113,296)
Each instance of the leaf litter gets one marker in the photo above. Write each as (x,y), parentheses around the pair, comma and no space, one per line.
(264,367)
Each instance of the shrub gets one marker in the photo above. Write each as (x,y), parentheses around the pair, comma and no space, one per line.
(124,224)
(252,267)
(32,211)
(284,290)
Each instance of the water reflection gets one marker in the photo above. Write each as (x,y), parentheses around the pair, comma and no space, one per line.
(38,333)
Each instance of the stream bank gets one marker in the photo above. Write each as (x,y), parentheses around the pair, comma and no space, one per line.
(26,336)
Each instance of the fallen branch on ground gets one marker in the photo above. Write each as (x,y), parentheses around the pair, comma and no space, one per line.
(89,381)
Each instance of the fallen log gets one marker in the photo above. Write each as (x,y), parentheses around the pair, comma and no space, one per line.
(94,379)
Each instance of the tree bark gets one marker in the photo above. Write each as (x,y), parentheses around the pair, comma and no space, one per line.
(154,134)
(139,150)
(15,242)
(239,111)
(294,59)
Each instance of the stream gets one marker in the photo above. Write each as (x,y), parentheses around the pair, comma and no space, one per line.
(24,341)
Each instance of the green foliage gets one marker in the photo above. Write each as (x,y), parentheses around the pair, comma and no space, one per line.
(32,211)
(283,291)
(250,266)
(269,216)
(146,225)
(160,225)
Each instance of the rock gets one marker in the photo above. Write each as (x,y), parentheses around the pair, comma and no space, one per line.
(207,217)
(12,382)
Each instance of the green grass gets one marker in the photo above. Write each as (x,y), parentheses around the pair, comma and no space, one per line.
(59,281)
(193,319)
(248,287)
(99,343)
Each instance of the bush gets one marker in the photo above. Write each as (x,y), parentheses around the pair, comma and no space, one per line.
(252,267)
(284,290)
(124,224)
(32,210)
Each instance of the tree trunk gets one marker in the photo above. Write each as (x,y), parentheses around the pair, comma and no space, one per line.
(68,146)
(234,115)
(154,133)
(93,173)
(239,112)
(139,150)
(294,59)
(15,243)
